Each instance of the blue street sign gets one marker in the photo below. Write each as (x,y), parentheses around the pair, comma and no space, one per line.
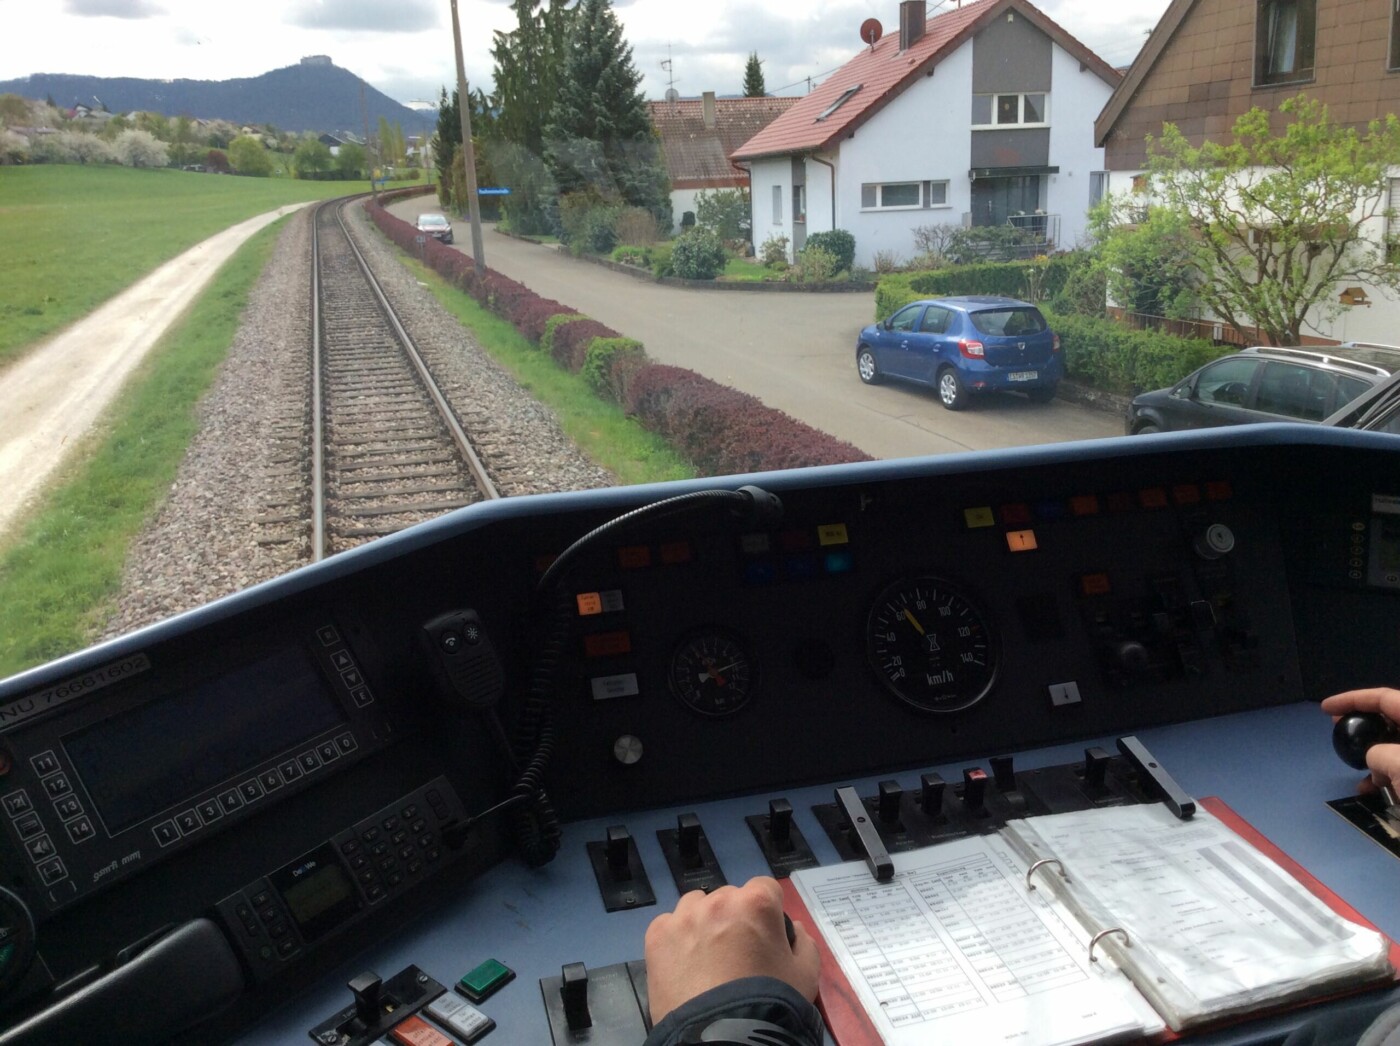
(492,192)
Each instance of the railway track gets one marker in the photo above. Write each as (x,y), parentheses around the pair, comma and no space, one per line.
(387,450)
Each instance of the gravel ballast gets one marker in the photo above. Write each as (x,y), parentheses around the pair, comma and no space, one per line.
(234,515)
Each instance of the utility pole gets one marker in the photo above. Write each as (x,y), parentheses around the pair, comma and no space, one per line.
(464,106)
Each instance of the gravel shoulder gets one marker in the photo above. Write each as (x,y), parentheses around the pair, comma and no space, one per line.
(229,520)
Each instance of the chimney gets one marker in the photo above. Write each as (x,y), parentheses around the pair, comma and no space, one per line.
(709,101)
(911,23)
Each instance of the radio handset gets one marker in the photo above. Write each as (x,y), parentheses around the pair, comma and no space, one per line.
(464,660)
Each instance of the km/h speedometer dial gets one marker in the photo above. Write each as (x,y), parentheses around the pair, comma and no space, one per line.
(930,645)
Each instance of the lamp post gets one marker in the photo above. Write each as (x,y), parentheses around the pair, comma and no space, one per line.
(464,107)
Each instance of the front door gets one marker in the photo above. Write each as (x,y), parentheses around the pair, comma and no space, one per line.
(996,199)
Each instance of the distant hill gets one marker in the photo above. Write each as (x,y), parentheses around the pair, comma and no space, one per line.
(312,96)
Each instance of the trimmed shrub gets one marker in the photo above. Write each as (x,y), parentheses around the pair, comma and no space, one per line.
(552,324)
(569,347)
(661,260)
(773,253)
(816,264)
(840,243)
(532,314)
(698,255)
(1109,356)
(608,363)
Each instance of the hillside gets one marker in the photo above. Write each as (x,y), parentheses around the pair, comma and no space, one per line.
(306,97)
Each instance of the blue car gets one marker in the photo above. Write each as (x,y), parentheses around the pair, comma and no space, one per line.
(963,346)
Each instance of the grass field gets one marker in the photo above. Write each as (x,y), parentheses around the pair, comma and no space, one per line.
(59,571)
(74,236)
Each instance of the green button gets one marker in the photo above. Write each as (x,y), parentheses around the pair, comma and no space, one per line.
(485,980)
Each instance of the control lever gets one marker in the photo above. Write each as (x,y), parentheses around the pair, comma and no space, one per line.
(1156,779)
(1353,735)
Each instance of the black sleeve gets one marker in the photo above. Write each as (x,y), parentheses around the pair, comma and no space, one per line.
(759,998)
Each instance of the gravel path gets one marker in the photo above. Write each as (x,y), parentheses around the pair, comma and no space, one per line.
(230,519)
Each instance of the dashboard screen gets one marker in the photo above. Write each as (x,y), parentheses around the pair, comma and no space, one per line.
(148,758)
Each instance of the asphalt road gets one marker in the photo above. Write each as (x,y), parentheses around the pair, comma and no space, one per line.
(794,351)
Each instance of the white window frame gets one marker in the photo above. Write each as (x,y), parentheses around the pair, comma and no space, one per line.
(777,205)
(1020,110)
(925,196)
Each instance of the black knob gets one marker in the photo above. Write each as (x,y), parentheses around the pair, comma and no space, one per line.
(890,796)
(573,991)
(366,989)
(1354,734)
(1132,656)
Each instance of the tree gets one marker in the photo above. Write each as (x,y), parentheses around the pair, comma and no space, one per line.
(753,77)
(725,212)
(349,161)
(600,136)
(137,148)
(249,156)
(448,142)
(312,157)
(529,67)
(1273,224)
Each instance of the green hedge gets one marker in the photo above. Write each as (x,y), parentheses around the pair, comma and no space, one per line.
(609,363)
(1009,279)
(552,324)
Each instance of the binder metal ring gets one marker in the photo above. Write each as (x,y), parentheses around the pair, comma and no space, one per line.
(1104,933)
(1044,860)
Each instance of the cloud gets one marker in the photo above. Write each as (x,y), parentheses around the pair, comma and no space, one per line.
(113,8)
(401,16)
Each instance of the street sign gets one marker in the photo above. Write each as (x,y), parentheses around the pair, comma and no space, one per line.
(483,191)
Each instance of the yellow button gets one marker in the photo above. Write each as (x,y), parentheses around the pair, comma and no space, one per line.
(979,517)
(832,534)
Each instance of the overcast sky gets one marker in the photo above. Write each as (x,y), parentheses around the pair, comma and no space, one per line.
(404,47)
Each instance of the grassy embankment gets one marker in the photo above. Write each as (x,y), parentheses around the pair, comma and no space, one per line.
(61,567)
(76,236)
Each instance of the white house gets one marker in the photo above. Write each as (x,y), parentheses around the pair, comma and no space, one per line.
(982,115)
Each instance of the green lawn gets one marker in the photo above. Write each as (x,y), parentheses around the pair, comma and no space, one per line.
(74,236)
(58,572)
(741,270)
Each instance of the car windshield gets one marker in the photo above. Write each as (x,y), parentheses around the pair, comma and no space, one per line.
(687,189)
(1009,323)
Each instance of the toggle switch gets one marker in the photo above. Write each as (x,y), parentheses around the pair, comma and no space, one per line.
(367,991)
(689,856)
(619,845)
(574,992)
(1004,773)
(887,807)
(688,840)
(780,824)
(1095,770)
(781,841)
(931,788)
(974,791)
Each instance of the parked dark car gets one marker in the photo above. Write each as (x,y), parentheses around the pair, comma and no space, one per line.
(1377,410)
(435,225)
(964,346)
(1265,384)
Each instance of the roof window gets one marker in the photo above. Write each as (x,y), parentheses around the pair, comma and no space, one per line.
(842,100)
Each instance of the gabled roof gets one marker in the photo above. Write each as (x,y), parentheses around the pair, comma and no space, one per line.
(882,72)
(698,156)
(1142,65)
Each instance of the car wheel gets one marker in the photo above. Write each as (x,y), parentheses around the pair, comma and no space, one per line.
(866,366)
(1146,429)
(951,392)
(1044,394)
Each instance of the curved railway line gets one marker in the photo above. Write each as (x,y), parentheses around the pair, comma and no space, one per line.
(387,451)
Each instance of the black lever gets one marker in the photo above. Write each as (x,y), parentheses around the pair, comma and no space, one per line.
(1354,734)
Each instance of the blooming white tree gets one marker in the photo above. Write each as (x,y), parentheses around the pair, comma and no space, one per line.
(137,148)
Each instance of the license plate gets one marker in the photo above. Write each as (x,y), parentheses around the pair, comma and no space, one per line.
(1023,375)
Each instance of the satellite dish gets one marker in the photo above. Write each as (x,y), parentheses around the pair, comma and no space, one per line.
(871,30)
(672,94)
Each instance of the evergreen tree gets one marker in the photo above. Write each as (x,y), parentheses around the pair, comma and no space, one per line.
(529,67)
(447,144)
(600,136)
(753,77)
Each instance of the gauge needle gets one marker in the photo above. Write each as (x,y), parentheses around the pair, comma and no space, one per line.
(711,672)
(913,621)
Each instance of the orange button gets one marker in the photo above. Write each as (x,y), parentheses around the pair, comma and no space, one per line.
(417,1032)
(1084,505)
(607,644)
(1021,540)
(589,603)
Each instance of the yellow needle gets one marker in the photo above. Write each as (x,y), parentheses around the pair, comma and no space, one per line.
(913,621)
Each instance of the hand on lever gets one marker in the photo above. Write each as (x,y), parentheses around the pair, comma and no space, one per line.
(1383,760)
(714,938)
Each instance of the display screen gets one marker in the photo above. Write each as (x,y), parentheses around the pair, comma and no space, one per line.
(149,758)
(1384,566)
(318,892)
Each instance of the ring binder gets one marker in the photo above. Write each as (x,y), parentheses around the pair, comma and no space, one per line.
(1044,860)
(1104,933)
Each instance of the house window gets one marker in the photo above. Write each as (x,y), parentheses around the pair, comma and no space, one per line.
(799,203)
(1394,61)
(1001,110)
(1284,38)
(1392,223)
(902,196)
(1098,180)
(777,205)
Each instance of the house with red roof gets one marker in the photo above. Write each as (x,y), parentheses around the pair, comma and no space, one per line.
(698,134)
(981,115)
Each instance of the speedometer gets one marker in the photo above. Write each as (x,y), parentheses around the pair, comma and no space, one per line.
(930,645)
